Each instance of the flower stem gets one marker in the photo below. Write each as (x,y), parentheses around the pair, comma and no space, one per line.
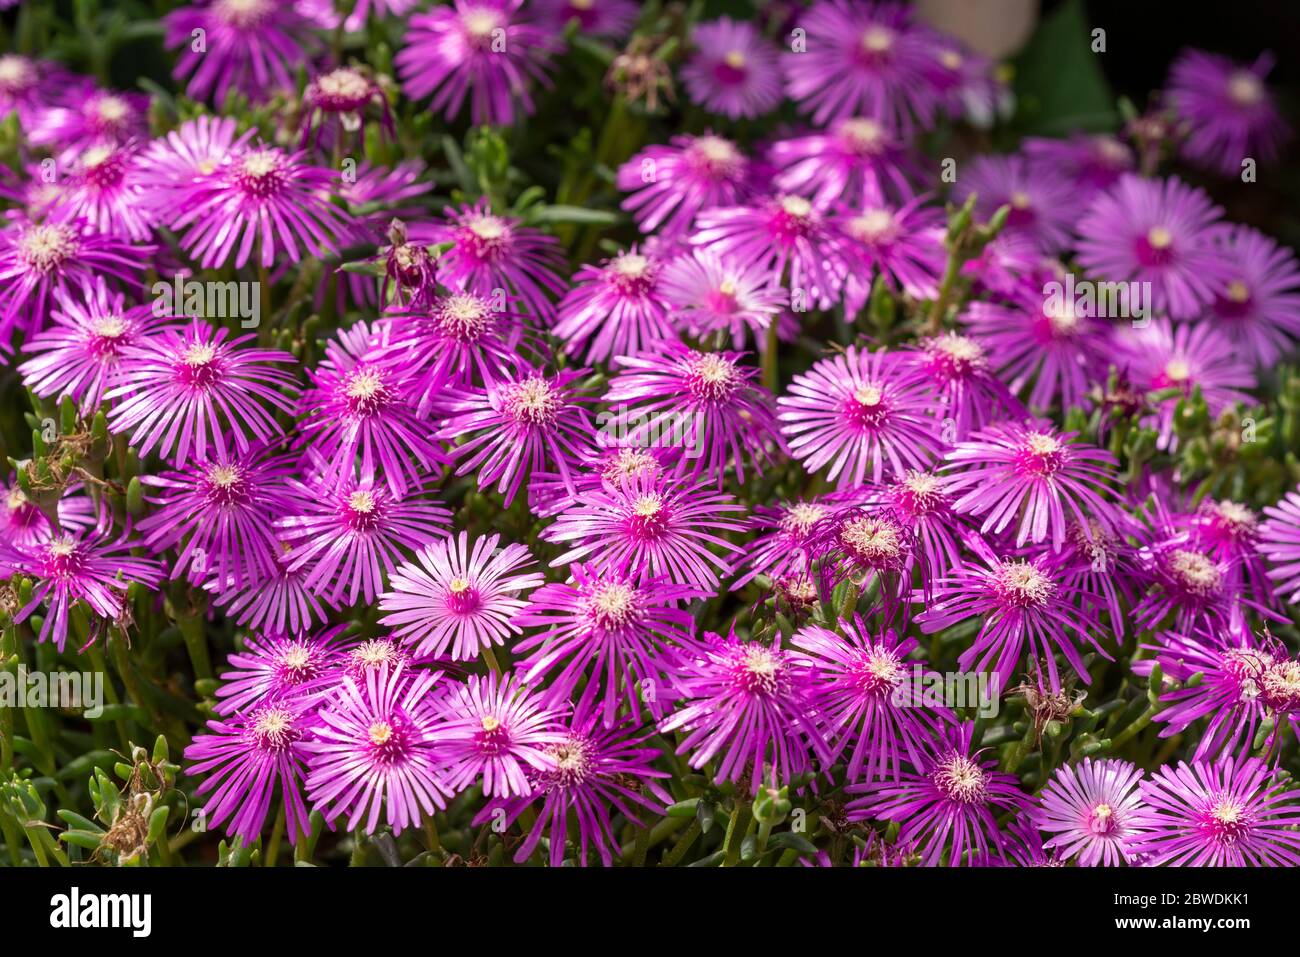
(741,818)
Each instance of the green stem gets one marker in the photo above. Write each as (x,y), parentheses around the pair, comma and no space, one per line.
(741,818)
(277,834)
(771,373)
(674,856)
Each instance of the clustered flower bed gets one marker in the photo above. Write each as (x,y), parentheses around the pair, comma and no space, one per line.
(608,433)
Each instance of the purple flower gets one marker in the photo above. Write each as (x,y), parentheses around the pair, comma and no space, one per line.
(1034,473)
(170,166)
(1022,602)
(335,104)
(1051,345)
(869,546)
(276,668)
(592,770)
(709,397)
(459,598)
(946,805)
(349,534)
(751,705)
(362,406)
(259,199)
(734,70)
(279,605)
(781,552)
(904,245)
(602,18)
(1258,310)
(518,426)
(252,46)
(661,526)
(103,192)
(475,48)
(77,567)
(222,507)
(919,500)
(671,184)
(375,756)
(191,388)
(615,309)
(857,162)
(87,116)
(1279,541)
(78,355)
(865,697)
(862,59)
(860,412)
(23,524)
(494,731)
(29,86)
(1042,203)
(490,252)
(708,295)
(1228,112)
(1091,162)
(609,629)
(1183,357)
(1228,814)
(788,236)
(1156,231)
(1094,811)
(970,397)
(39,259)
(249,759)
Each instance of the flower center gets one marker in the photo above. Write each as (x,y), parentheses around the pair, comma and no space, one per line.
(758,670)
(361,511)
(1196,572)
(480,23)
(297,664)
(199,365)
(365,393)
(877,672)
(273,729)
(1101,819)
(800,517)
(573,759)
(631,273)
(876,226)
(862,136)
(867,407)
(344,89)
(612,605)
(628,463)
(872,542)
(533,402)
(243,14)
(1227,820)
(648,520)
(62,559)
(45,248)
(260,173)
(961,780)
(493,737)
(954,356)
(226,486)
(374,653)
(716,157)
(462,597)
(463,317)
(1022,585)
(877,40)
(711,377)
(1244,88)
(16,74)
(1039,455)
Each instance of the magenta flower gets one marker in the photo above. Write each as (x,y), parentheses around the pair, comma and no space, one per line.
(862,59)
(29,86)
(1036,474)
(77,567)
(103,192)
(262,199)
(39,259)
(707,295)
(921,502)
(494,730)
(278,605)
(1182,357)
(375,756)
(1258,310)
(734,70)
(592,771)
(170,166)
(87,116)
(251,46)
(615,309)
(518,426)
(970,397)
(475,48)
(904,245)
(1228,814)
(276,668)
(361,410)
(1060,351)
(751,705)
(1099,563)
(609,629)
(222,507)
(946,805)
(671,184)
(782,552)
(865,698)
(856,162)
(788,236)
(1230,693)
(1229,113)
(1042,203)
(1156,231)
(860,412)
(1279,542)
(1094,812)
(79,355)
(490,252)
(658,525)
(190,388)
(709,398)
(1023,602)
(335,104)
(23,524)
(350,534)
(249,759)
(459,598)
(1092,162)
